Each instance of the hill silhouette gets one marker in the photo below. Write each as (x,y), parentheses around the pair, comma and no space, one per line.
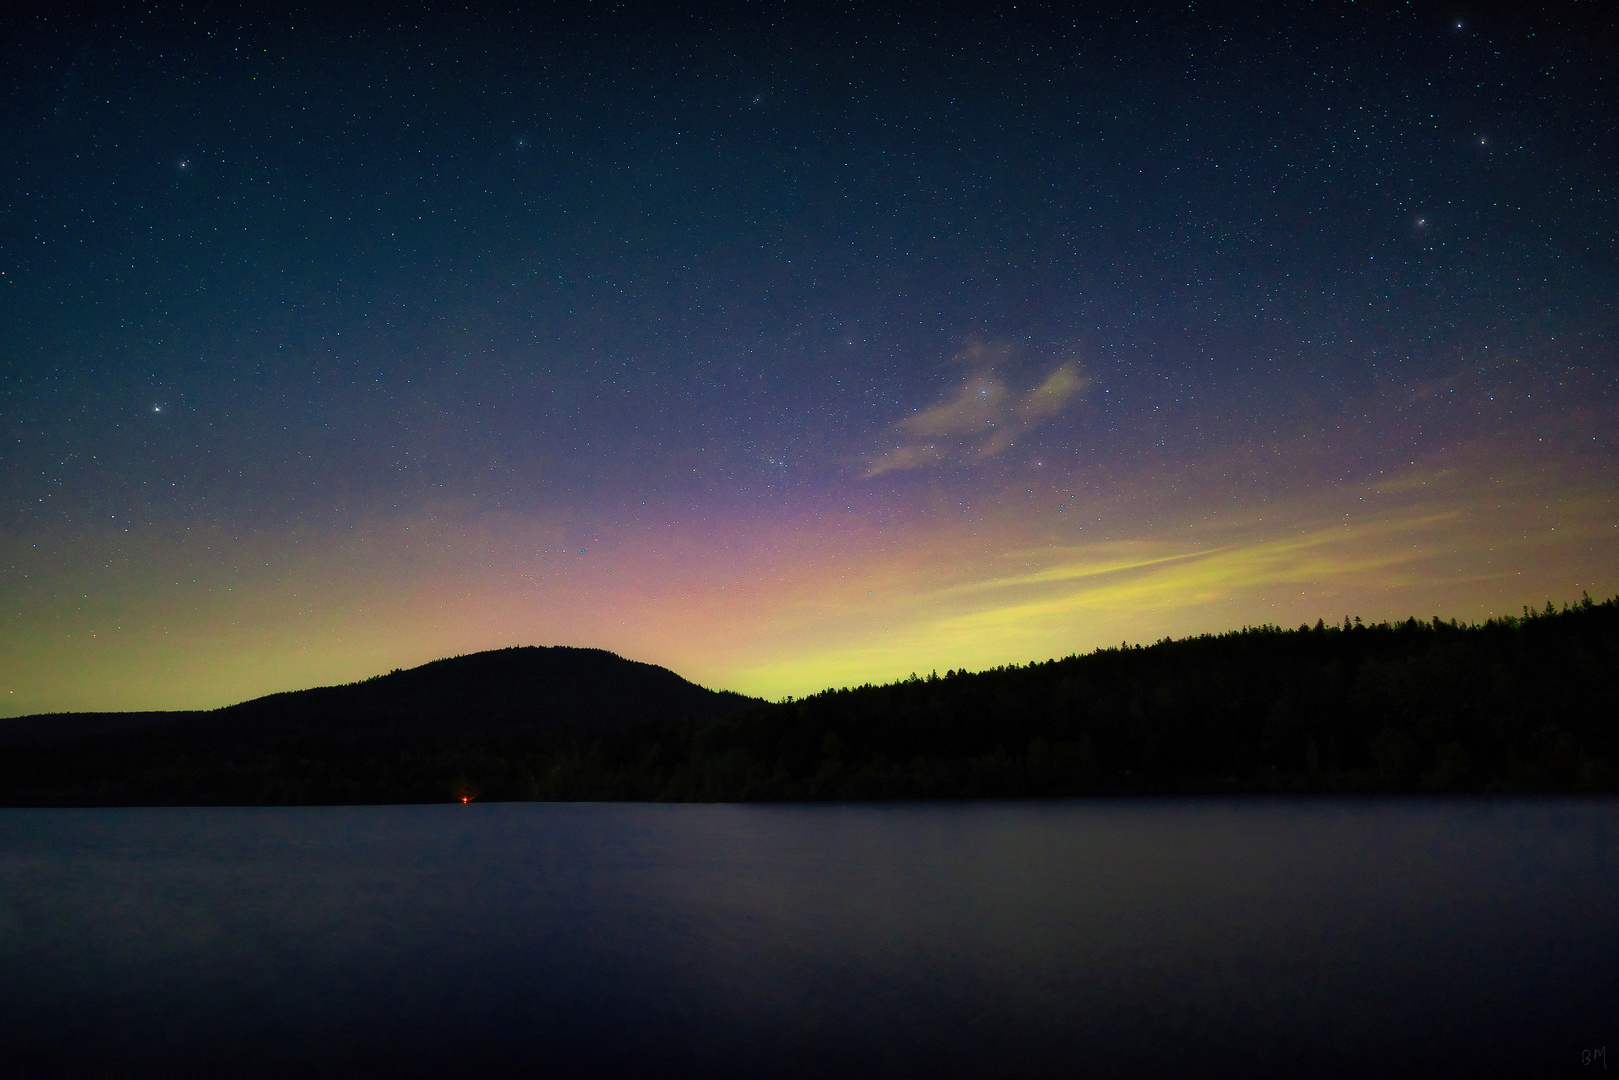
(402,737)
(1525,704)
(590,689)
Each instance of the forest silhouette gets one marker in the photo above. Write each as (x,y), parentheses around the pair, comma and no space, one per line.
(1524,704)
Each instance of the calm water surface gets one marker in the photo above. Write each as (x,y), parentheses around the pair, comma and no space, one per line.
(1184,938)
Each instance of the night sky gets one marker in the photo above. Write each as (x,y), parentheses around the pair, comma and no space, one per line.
(788,347)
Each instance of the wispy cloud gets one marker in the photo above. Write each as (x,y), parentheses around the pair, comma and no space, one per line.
(985,416)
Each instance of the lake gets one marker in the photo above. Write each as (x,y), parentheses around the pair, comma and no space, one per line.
(1109,938)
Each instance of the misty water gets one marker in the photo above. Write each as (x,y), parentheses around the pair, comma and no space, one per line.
(1106,938)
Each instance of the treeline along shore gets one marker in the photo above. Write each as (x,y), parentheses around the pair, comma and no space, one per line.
(1514,705)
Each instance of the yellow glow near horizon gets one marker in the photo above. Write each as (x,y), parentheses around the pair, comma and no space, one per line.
(774,608)
(1412,563)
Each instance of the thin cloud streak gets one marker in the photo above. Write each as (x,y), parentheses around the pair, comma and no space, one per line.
(983,419)
(1082,598)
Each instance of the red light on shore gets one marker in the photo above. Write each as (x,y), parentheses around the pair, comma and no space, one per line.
(465,799)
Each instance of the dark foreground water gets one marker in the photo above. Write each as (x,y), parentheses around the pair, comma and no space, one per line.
(1186,938)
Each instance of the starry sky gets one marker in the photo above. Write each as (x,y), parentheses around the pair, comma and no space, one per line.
(788,346)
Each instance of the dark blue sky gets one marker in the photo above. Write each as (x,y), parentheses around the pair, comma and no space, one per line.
(570,278)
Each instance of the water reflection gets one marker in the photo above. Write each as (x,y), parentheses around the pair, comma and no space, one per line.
(1213,937)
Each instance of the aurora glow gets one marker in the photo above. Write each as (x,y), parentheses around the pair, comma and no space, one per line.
(787,352)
